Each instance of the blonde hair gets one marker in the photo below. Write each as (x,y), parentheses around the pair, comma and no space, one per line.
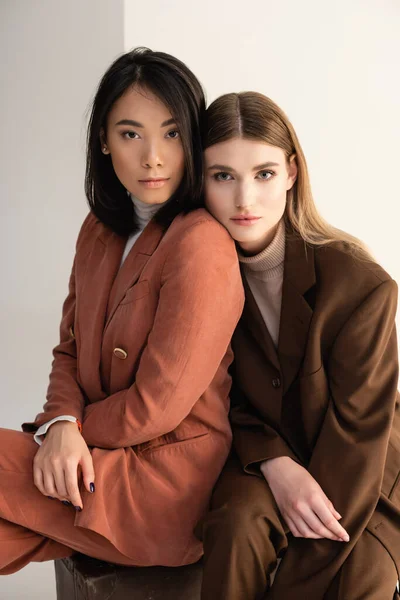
(253,116)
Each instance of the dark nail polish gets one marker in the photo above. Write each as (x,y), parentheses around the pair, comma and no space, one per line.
(78,508)
(51,498)
(66,503)
(92,488)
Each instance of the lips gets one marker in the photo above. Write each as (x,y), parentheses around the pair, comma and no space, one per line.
(245,220)
(154,182)
(150,179)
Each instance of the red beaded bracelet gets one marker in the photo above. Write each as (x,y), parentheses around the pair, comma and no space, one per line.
(79,426)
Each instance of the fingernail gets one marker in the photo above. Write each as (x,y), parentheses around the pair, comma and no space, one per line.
(66,503)
(78,508)
(346,538)
(51,498)
(92,488)
(340,516)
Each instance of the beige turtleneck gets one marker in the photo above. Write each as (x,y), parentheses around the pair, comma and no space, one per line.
(264,274)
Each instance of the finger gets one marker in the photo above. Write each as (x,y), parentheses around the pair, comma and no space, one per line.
(333,509)
(88,472)
(292,527)
(327,518)
(71,480)
(38,480)
(295,527)
(59,480)
(304,530)
(316,525)
(49,485)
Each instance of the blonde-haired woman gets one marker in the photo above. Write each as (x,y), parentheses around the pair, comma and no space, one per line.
(315,474)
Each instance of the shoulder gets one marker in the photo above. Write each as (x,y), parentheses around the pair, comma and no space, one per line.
(199,228)
(340,269)
(348,290)
(91,229)
(90,226)
(199,247)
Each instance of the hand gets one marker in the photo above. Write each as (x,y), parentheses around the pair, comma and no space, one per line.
(306,510)
(57,463)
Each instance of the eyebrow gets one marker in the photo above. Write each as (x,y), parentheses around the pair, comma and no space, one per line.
(137,124)
(266,165)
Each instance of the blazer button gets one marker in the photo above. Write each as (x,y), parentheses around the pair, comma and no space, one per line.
(276,383)
(120,353)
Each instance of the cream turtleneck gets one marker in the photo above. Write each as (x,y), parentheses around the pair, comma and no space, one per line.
(264,274)
(144,213)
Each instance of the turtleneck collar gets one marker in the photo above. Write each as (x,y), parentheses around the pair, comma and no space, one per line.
(144,212)
(270,261)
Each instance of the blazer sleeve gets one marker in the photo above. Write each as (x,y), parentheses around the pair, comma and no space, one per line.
(64,395)
(254,440)
(349,457)
(200,302)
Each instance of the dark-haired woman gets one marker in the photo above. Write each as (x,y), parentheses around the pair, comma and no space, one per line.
(135,429)
(315,477)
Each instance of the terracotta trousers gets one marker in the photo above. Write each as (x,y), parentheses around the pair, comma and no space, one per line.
(243,537)
(33,527)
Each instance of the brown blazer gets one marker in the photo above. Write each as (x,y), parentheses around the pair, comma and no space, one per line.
(143,362)
(327,398)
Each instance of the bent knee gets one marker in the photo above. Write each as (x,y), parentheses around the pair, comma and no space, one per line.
(17,450)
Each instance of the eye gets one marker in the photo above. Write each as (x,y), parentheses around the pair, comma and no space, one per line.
(173,134)
(222,176)
(130,135)
(265,175)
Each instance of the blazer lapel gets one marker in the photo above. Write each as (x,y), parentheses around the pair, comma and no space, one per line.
(134,264)
(296,313)
(253,320)
(101,267)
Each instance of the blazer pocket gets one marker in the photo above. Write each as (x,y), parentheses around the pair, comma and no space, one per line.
(171,442)
(391,477)
(136,292)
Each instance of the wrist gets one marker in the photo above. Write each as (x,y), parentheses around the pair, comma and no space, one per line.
(64,425)
(267,466)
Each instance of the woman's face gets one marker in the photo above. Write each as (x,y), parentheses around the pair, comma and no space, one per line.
(145,146)
(246,182)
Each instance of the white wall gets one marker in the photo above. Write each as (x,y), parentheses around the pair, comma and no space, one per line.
(53,54)
(332,66)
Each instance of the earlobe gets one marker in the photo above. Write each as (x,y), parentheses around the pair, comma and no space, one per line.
(104,147)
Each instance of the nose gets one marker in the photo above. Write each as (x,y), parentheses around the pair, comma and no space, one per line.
(151,156)
(244,197)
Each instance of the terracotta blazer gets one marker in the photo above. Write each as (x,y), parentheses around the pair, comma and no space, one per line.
(143,364)
(327,398)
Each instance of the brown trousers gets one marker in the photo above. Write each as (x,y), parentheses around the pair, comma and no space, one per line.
(34,528)
(243,536)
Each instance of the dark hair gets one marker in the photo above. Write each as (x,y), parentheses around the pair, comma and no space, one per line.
(176,86)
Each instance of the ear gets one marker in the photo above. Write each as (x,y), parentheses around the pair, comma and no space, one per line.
(292,172)
(103,142)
